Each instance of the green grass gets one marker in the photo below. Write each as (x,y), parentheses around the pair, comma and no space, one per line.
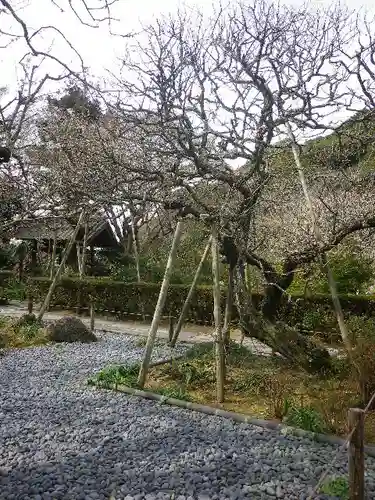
(24,332)
(116,375)
(201,349)
(197,368)
(127,375)
(306,418)
(175,392)
(141,342)
(336,487)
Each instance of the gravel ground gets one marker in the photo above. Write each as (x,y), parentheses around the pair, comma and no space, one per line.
(60,439)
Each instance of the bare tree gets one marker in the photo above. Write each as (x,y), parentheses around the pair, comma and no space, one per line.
(36,40)
(224,89)
(39,70)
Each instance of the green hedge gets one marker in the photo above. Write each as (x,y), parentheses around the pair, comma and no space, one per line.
(125,299)
(316,313)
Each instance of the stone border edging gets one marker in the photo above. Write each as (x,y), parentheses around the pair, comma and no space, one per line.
(237,417)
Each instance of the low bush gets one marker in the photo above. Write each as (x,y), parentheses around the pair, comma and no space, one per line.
(197,370)
(141,342)
(305,417)
(116,375)
(18,333)
(193,373)
(275,388)
(128,375)
(337,487)
(238,354)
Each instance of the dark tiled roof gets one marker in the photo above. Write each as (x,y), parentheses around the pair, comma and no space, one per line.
(48,228)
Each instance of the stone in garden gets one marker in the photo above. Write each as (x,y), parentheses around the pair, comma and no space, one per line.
(69,329)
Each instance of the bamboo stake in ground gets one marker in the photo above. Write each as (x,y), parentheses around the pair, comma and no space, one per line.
(82,270)
(67,251)
(356,453)
(92,317)
(137,266)
(219,348)
(228,317)
(81,255)
(319,239)
(30,304)
(78,250)
(187,302)
(228,307)
(159,307)
(53,258)
(170,329)
(135,249)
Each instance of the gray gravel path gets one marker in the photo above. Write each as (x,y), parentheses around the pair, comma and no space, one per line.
(60,439)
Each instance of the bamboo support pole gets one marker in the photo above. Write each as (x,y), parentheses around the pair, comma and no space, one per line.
(219,348)
(319,239)
(53,258)
(190,294)
(59,270)
(159,307)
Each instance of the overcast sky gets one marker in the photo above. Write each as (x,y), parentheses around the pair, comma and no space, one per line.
(98,49)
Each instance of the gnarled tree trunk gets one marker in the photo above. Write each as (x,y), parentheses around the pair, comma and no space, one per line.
(263,324)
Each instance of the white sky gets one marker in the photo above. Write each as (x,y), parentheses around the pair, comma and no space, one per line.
(99,50)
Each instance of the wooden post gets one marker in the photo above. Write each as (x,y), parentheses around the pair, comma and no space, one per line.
(92,316)
(171,328)
(159,307)
(219,348)
(79,300)
(20,268)
(34,254)
(228,307)
(53,258)
(136,258)
(135,249)
(356,418)
(59,270)
(78,250)
(318,236)
(49,253)
(84,250)
(92,251)
(29,304)
(187,302)
(81,259)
